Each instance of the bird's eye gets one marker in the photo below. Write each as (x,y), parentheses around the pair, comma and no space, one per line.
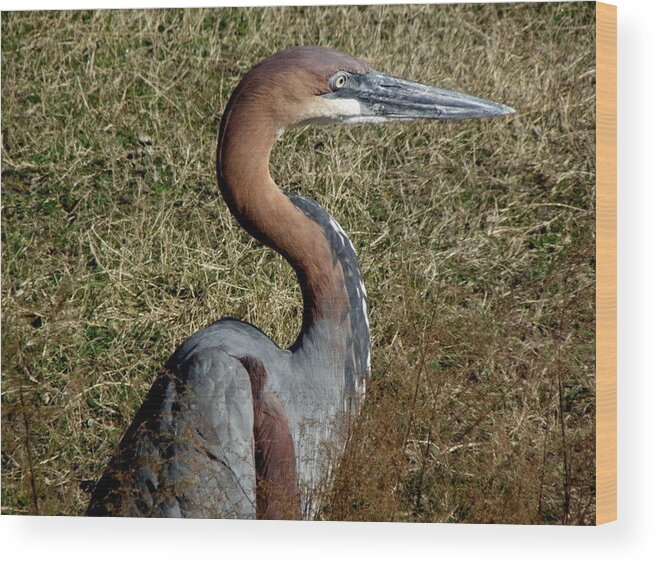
(339,81)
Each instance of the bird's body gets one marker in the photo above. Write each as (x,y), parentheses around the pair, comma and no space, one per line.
(319,384)
(236,427)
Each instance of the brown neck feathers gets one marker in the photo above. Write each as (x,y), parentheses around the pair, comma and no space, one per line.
(246,138)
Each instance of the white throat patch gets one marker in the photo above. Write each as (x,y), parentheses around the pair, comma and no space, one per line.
(339,111)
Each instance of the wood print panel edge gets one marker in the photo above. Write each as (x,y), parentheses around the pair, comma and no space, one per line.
(606,261)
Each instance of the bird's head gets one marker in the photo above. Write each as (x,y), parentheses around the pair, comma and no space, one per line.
(320,85)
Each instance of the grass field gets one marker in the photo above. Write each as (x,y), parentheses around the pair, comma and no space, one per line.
(476,241)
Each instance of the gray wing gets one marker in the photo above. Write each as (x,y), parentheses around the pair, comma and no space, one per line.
(189,451)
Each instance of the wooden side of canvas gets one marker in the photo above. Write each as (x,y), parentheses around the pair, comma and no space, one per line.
(606,458)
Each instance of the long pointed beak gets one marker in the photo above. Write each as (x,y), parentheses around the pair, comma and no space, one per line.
(385,98)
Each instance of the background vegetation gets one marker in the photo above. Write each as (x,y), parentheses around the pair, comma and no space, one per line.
(476,242)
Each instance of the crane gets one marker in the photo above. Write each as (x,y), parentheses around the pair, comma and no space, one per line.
(236,427)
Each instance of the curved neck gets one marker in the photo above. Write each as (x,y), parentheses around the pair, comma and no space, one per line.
(243,151)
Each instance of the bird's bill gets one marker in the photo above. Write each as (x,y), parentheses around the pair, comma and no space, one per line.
(375,98)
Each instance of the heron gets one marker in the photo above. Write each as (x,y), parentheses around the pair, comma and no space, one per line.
(235,426)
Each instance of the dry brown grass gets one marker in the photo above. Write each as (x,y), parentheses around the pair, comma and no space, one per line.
(476,241)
